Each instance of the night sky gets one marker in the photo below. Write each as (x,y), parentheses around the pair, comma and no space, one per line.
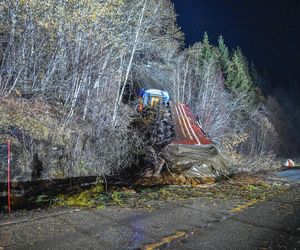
(267,31)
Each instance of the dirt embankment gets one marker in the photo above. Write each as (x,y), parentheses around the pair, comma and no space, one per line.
(39,141)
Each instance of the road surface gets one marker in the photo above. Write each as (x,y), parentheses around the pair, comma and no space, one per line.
(194,224)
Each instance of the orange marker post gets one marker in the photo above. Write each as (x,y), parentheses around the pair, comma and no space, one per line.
(8,176)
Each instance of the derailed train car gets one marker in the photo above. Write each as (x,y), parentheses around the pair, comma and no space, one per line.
(190,151)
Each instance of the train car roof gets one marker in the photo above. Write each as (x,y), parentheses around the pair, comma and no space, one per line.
(157,92)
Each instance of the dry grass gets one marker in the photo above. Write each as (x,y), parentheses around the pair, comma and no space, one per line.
(244,163)
(174,179)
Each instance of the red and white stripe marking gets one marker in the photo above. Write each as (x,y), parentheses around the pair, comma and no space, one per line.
(185,123)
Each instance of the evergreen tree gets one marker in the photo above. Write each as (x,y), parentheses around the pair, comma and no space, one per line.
(238,77)
(207,49)
(224,54)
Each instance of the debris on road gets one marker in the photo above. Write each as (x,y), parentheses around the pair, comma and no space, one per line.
(242,186)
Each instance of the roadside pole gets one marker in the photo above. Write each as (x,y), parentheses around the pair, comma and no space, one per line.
(8,175)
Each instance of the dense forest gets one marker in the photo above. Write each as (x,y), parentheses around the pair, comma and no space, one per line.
(70,71)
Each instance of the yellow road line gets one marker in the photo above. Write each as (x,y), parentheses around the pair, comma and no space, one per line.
(248,204)
(164,241)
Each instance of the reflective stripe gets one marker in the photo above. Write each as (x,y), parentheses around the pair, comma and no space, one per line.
(197,139)
(179,119)
(182,115)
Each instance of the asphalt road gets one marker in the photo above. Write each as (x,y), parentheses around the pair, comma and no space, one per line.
(273,224)
(194,224)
